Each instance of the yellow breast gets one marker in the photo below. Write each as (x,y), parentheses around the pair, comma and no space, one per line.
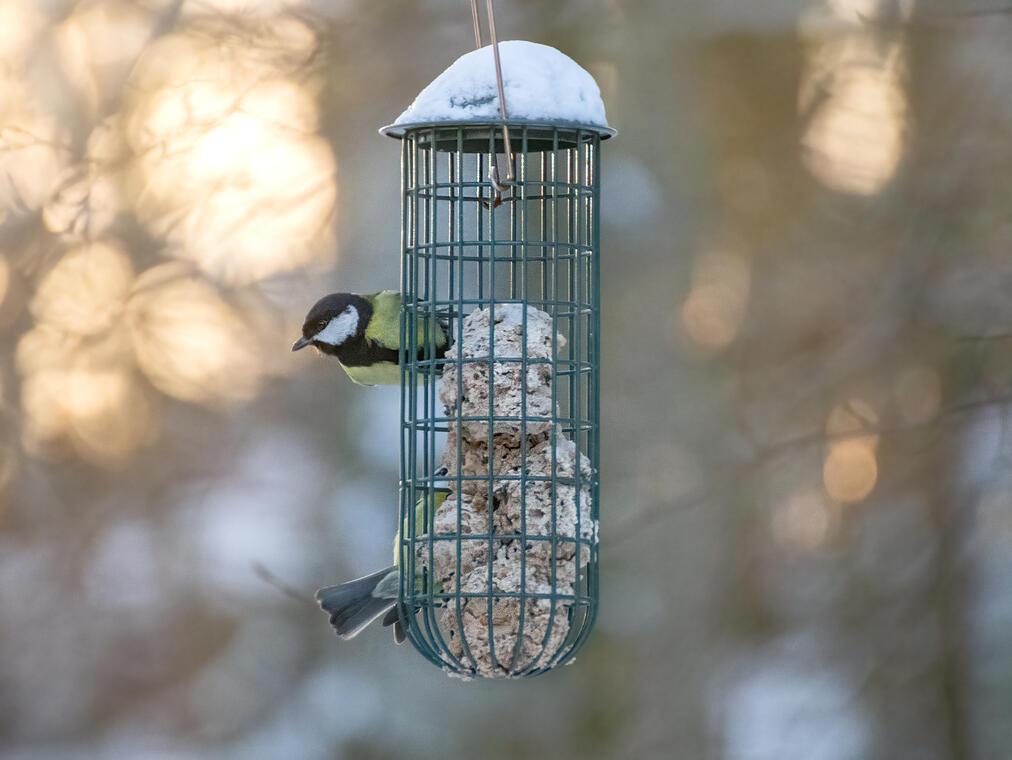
(381,373)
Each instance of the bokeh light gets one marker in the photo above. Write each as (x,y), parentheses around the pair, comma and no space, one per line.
(20,22)
(855,141)
(713,311)
(97,45)
(189,342)
(851,417)
(109,413)
(229,168)
(866,11)
(852,98)
(85,292)
(88,199)
(100,412)
(805,521)
(32,149)
(263,8)
(79,390)
(850,468)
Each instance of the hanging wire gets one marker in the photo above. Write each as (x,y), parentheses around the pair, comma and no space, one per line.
(477,28)
(494,176)
(502,95)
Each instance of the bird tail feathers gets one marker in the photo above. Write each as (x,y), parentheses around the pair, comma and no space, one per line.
(353,605)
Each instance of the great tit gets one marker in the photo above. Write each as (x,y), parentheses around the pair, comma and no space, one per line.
(364,333)
(354,605)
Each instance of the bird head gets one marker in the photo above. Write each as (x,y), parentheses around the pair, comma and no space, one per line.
(333,320)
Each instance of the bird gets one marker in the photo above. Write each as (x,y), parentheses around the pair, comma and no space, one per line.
(352,606)
(364,333)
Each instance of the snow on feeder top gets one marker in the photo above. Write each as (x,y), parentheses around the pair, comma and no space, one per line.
(541,86)
(501,580)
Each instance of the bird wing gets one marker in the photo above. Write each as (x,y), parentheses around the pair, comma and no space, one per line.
(385,326)
(438,497)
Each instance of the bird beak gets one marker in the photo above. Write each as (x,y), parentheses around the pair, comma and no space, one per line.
(301,343)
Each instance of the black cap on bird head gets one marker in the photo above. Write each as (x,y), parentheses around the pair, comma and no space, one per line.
(333,319)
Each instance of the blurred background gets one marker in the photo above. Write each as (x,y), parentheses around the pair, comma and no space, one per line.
(807,475)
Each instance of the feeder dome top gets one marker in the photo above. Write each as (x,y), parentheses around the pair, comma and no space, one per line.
(542,85)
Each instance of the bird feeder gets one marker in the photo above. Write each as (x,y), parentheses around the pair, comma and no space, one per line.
(500,242)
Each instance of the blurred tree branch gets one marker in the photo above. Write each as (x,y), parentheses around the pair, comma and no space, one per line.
(631,527)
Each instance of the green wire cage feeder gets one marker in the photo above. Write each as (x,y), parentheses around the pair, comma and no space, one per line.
(498,549)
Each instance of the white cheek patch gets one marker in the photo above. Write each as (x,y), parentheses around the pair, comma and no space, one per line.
(340,328)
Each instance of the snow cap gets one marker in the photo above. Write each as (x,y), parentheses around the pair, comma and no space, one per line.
(541,84)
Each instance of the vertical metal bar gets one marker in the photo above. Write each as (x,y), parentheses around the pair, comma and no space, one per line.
(479,225)
(576,378)
(554,480)
(429,354)
(593,225)
(423,308)
(593,566)
(520,197)
(406,243)
(572,237)
(543,204)
(433,637)
(491,415)
(408,381)
(515,287)
(456,201)
(458,413)
(453,205)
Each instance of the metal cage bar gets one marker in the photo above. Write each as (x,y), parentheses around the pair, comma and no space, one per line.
(467,249)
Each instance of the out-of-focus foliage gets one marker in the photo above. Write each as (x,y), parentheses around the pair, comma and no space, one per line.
(807,485)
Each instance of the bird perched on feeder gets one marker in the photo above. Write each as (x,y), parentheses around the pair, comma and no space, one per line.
(354,605)
(364,333)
